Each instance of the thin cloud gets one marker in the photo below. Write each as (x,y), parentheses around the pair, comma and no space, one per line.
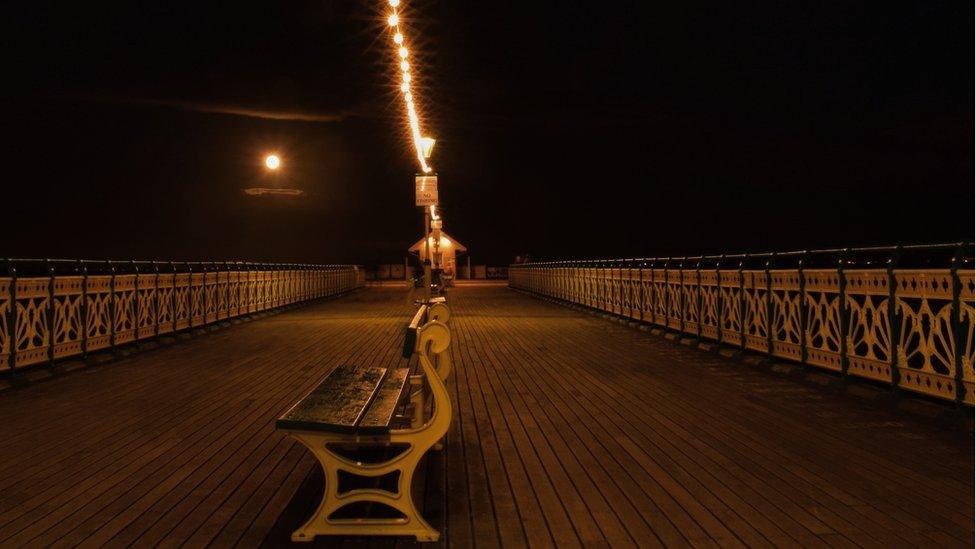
(233,110)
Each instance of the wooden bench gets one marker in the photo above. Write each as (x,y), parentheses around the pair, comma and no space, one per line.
(355,407)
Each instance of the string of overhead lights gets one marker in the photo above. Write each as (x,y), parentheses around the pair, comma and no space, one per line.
(406,91)
(422,145)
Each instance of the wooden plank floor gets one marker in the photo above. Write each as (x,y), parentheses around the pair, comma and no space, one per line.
(569,430)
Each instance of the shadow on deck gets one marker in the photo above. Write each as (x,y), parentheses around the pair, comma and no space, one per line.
(569,431)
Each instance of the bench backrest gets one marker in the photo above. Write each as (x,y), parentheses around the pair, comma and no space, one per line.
(431,317)
(410,333)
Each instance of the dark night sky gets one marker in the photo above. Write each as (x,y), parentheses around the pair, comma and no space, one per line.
(594,129)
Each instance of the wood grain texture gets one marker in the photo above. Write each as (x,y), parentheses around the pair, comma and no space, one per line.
(338,403)
(379,416)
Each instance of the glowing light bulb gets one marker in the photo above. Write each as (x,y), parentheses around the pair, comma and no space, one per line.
(272,161)
(427,146)
(421,144)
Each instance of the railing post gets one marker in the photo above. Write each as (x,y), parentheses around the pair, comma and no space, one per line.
(719,302)
(844,312)
(135,301)
(84,308)
(894,322)
(640,290)
(681,296)
(12,323)
(50,312)
(698,298)
(216,297)
(654,296)
(742,302)
(769,304)
(581,284)
(958,335)
(241,288)
(802,307)
(189,295)
(155,320)
(667,296)
(111,306)
(203,294)
(227,291)
(172,296)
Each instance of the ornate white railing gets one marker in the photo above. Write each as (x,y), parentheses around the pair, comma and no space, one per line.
(82,306)
(833,309)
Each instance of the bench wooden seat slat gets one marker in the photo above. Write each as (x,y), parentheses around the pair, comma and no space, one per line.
(381,412)
(338,403)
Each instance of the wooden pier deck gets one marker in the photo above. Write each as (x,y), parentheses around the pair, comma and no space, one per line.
(569,431)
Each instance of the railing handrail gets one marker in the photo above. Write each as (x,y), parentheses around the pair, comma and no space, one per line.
(44,267)
(194,262)
(46,315)
(893,249)
(894,322)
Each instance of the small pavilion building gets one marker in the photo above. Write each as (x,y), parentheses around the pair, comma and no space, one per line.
(447,247)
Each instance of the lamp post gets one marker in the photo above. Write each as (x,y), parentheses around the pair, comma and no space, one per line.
(428,198)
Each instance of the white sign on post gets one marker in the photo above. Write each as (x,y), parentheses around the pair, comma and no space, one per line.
(426,190)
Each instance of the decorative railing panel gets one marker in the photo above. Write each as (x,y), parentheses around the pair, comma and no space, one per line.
(32,335)
(148,300)
(926,345)
(165,302)
(124,297)
(632,293)
(967,327)
(823,331)
(909,327)
(673,298)
(196,299)
(869,325)
(6,341)
(98,305)
(710,304)
(659,295)
(784,324)
(690,304)
(69,300)
(234,293)
(44,318)
(730,294)
(211,294)
(755,321)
